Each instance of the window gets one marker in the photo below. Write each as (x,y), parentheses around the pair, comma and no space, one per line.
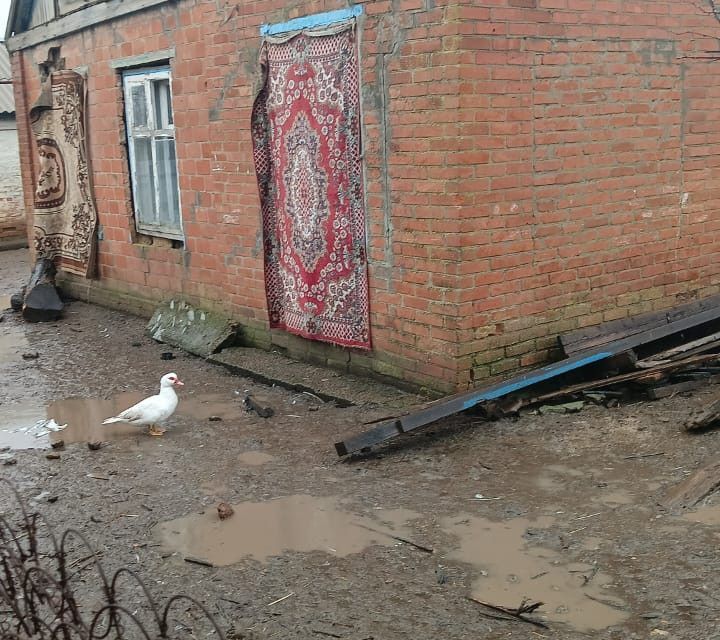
(151,149)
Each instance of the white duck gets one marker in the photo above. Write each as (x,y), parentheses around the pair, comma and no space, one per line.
(153,410)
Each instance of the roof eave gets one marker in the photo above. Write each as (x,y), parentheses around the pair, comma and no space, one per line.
(12,17)
(73,22)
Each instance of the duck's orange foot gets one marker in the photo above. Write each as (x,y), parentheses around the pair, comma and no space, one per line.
(154,430)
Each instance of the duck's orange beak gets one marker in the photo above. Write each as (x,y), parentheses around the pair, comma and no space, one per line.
(179,383)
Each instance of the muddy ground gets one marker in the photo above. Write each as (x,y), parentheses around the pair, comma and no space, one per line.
(563,509)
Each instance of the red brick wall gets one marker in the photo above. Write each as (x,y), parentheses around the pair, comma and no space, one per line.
(591,195)
(532,166)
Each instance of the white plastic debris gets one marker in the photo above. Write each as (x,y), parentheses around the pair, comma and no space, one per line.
(42,428)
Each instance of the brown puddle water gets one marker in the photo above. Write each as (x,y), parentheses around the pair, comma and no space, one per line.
(512,571)
(261,530)
(84,416)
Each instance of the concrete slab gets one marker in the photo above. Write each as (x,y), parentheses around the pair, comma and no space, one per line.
(197,331)
(345,389)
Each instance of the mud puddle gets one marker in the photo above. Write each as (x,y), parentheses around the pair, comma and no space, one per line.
(261,530)
(510,571)
(20,426)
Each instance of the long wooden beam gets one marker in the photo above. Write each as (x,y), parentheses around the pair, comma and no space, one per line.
(463,401)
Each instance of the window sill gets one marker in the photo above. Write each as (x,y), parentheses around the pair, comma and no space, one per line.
(160,232)
(145,239)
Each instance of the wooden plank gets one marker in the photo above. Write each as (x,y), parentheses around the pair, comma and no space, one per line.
(77,21)
(463,401)
(384,431)
(694,488)
(666,390)
(597,335)
(706,419)
(645,375)
(624,361)
(706,343)
(163,55)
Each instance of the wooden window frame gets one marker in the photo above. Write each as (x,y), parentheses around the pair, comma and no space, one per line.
(144,76)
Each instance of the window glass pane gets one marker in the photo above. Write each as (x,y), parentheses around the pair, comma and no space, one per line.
(144,181)
(139,105)
(167,182)
(161,103)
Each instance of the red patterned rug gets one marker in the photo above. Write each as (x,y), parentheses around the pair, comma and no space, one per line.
(306,140)
(64,209)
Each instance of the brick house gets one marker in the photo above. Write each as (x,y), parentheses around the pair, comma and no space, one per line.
(13,231)
(528,166)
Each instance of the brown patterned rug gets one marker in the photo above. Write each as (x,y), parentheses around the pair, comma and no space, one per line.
(65,217)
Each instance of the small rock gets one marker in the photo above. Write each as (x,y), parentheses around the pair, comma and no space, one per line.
(136,344)
(94,446)
(224,510)
(251,404)
(30,356)
(58,444)
(659,633)
(53,456)
(16,301)
(167,355)
(9,462)
(52,499)
(215,419)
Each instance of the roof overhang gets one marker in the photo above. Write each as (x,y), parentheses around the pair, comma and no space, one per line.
(17,37)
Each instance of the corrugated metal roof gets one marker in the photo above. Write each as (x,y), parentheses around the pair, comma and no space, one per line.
(7,101)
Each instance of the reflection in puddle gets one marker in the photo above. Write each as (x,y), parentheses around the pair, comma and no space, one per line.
(15,427)
(513,571)
(254,458)
(261,530)
(84,417)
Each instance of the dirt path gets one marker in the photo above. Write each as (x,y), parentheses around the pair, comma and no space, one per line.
(561,509)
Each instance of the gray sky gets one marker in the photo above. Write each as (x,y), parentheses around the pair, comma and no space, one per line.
(4,8)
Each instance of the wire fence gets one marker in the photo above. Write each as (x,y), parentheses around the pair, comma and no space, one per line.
(54,587)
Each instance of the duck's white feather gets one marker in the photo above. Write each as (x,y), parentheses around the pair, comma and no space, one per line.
(152,410)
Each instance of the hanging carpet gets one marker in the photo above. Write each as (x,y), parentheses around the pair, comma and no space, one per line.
(65,218)
(306,140)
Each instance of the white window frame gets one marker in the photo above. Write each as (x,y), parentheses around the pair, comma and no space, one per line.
(144,223)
